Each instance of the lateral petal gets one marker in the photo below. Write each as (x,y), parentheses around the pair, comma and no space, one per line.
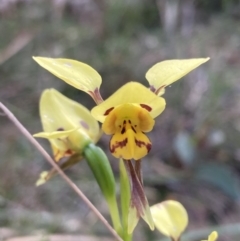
(166,72)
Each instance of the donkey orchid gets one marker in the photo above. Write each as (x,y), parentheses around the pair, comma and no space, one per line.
(126,115)
(68,125)
(129,113)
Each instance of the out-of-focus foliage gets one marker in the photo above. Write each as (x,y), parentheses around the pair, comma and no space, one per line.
(195,155)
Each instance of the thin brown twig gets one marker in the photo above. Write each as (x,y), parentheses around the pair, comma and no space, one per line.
(25,132)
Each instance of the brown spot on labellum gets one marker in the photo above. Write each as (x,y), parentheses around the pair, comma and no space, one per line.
(118,144)
(133,129)
(68,152)
(123,130)
(147,107)
(142,143)
(108,111)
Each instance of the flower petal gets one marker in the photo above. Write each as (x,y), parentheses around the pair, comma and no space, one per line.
(127,123)
(170,218)
(58,113)
(130,145)
(212,237)
(55,134)
(131,92)
(75,73)
(166,72)
(66,143)
(68,125)
(139,206)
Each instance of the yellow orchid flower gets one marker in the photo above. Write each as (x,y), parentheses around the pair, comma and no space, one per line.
(68,125)
(129,113)
(126,115)
(170,218)
(212,237)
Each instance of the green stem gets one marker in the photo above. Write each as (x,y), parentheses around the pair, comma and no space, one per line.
(125,200)
(114,213)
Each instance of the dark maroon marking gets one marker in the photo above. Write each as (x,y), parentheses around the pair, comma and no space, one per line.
(124,123)
(147,107)
(68,152)
(120,126)
(84,124)
(60,129)
(129,122)
(118,144)
(142,143)
(133,129)
(138,198)
(123,130)
(108,111)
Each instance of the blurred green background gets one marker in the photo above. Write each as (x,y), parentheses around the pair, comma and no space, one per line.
(195,157)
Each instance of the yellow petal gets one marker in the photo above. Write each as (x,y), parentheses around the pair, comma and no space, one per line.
(212,237)
(60,150)
(138,116)
(74,139)
(60,147)
(68,125)
(130,145)
(170,218)
(131,92)
(55,134)
(127,123)
(66,143)
(58,113)
(75,73)
(42,179)
(166,72)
